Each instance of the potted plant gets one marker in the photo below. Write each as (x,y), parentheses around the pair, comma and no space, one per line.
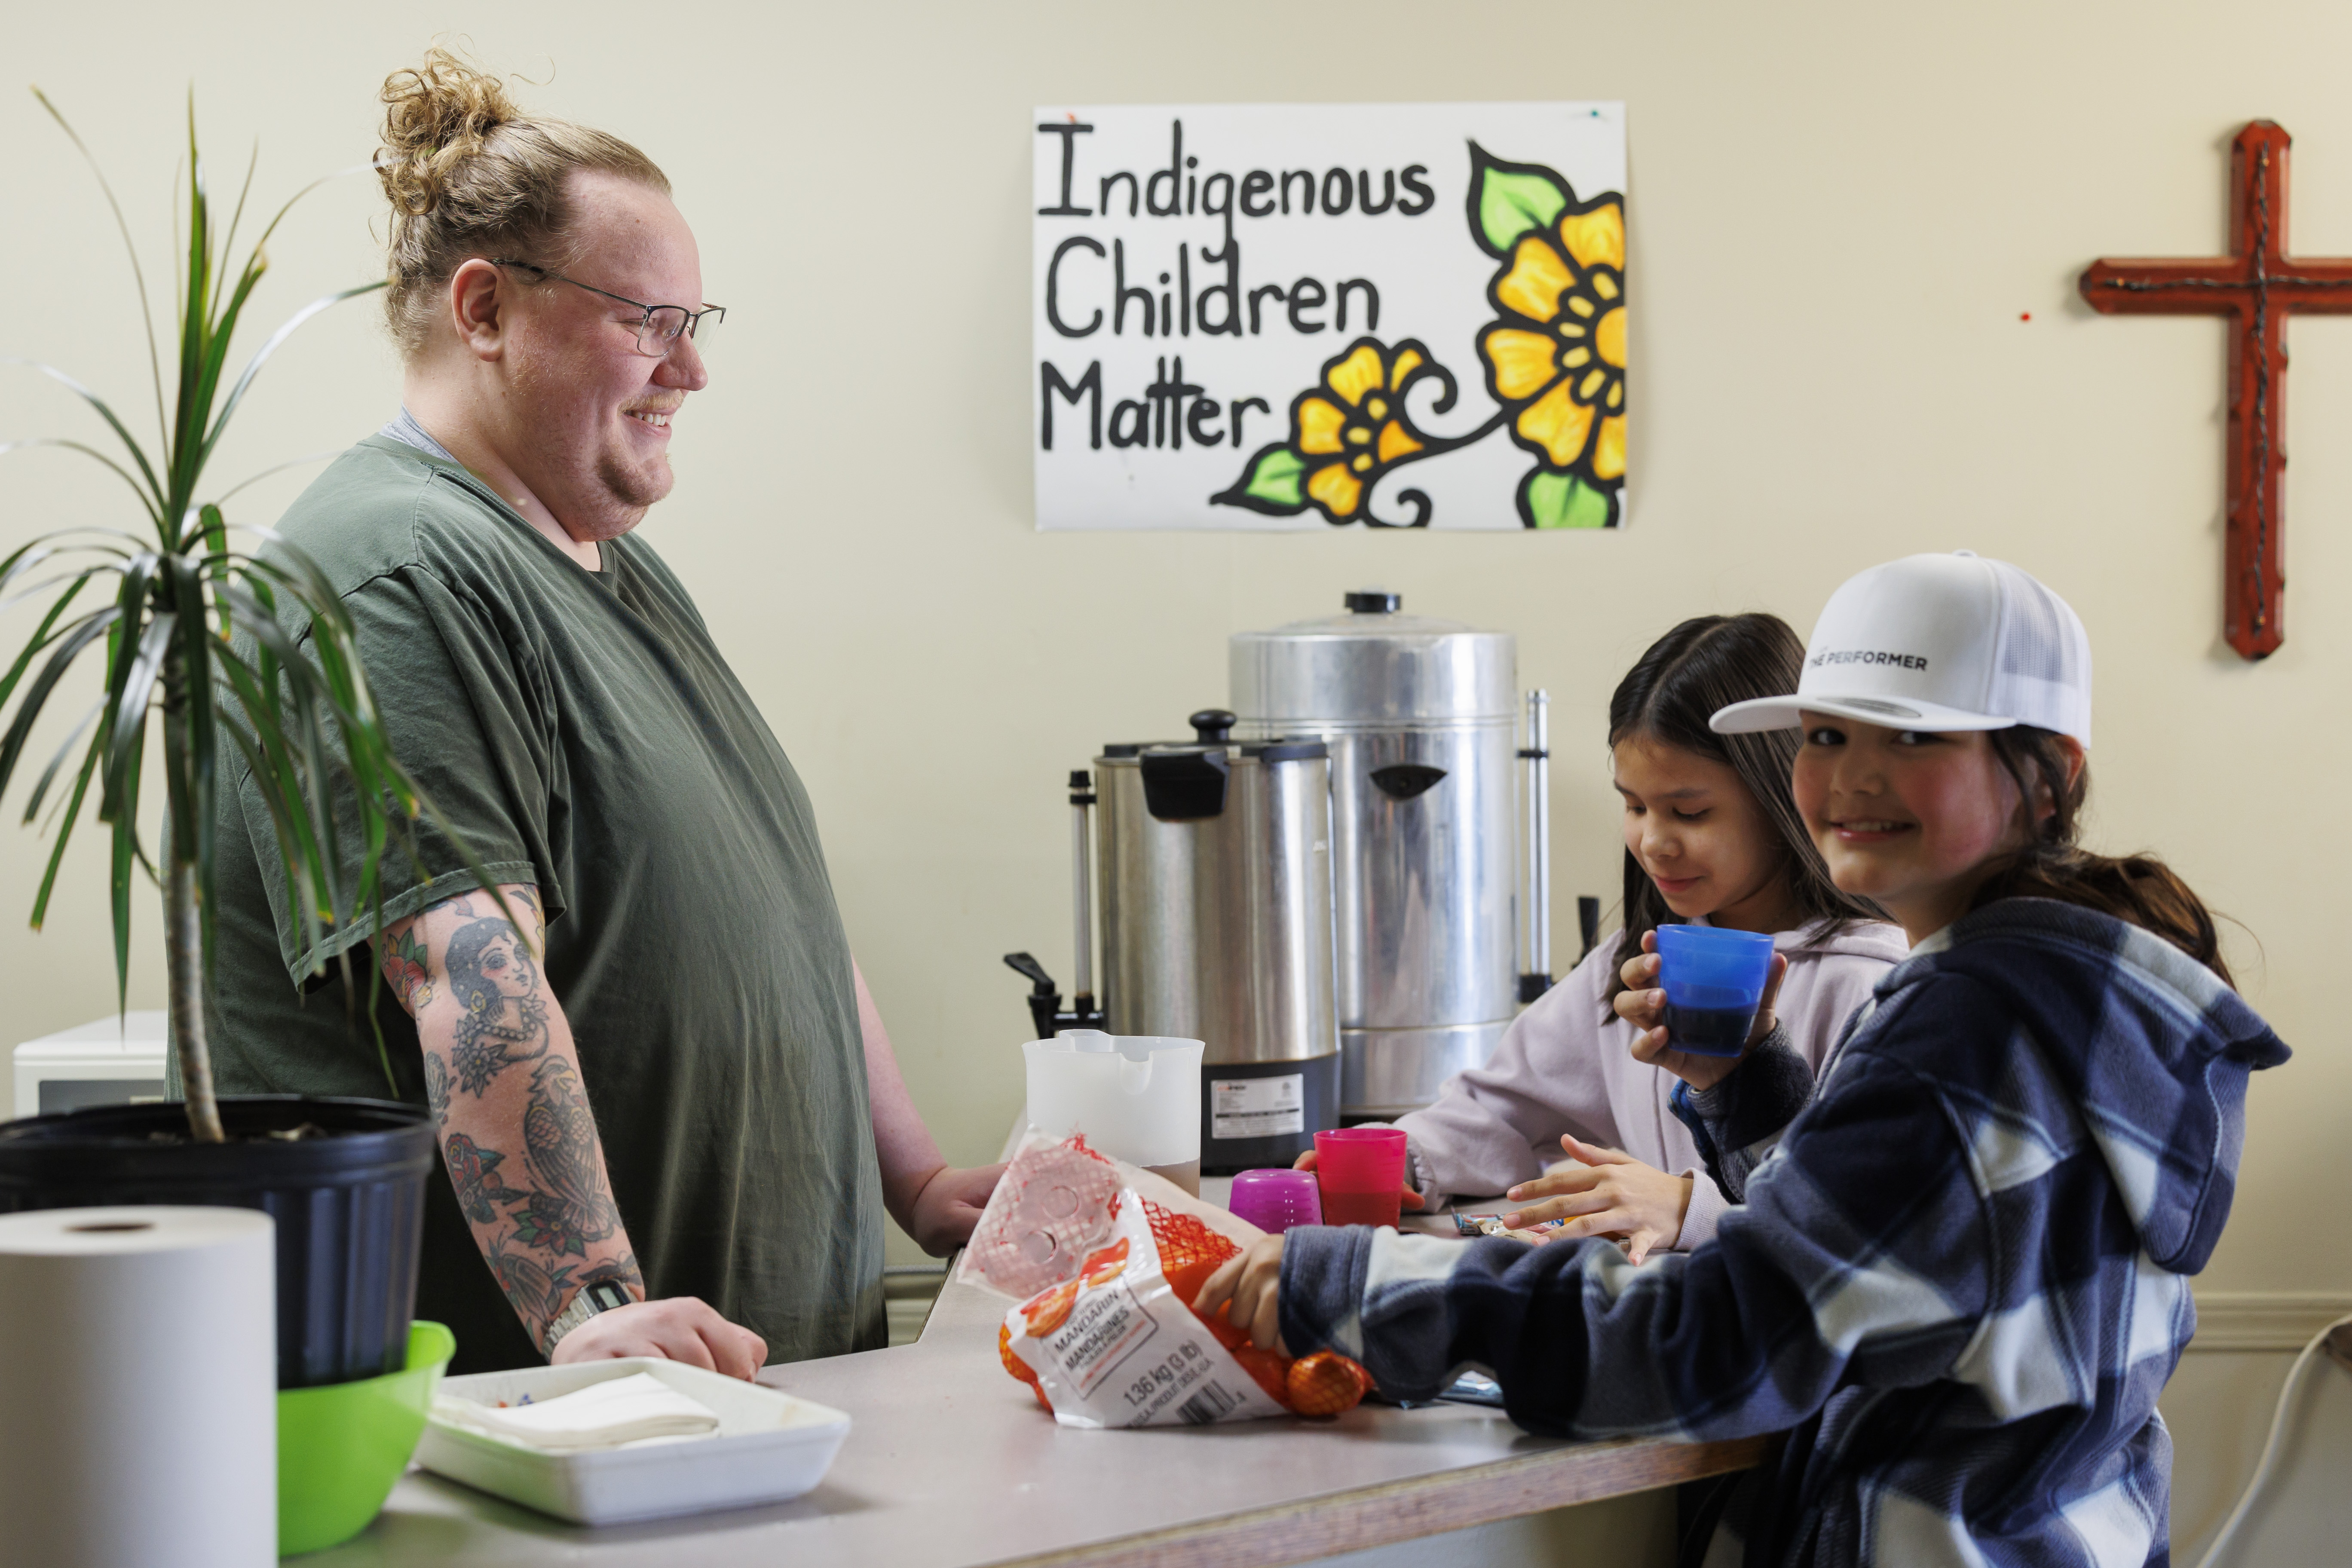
(184,627)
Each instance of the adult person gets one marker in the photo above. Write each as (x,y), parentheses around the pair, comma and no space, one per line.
(667,1107)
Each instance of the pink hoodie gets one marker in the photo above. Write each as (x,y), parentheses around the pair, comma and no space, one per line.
(1562,1068)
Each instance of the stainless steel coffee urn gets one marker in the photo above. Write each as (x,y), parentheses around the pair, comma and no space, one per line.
(1420,719)
(1327,891)
(1215,893)
(1216,926)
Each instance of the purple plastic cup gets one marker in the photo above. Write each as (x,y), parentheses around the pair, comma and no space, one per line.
(1274,1201)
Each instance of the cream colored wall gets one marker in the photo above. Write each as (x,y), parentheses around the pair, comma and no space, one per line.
(1840,212)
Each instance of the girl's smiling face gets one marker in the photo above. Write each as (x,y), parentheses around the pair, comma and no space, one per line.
(1913,820)
(1700,836)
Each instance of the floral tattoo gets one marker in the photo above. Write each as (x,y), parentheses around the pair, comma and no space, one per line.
(408,970)
(474,1171)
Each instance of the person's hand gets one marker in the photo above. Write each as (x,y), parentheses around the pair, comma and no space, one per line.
(1645,1009)
(676,1328)
(948,1207)
(1406,1196)
(1249,1280)
(1611,1194)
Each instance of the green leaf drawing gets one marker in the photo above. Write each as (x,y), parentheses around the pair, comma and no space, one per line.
(1549,498)
(1273,483)
(1509,200)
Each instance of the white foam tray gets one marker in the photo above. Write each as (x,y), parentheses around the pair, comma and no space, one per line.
(770,1447)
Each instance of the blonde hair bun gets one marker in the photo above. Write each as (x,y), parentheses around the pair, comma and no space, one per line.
(435,117)
(468,176)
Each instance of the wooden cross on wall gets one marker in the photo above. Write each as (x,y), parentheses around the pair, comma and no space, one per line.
(2257,286)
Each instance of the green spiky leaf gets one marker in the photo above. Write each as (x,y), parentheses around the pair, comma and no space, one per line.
(190,631)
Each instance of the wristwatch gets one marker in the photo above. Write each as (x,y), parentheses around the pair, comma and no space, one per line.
(602,1297)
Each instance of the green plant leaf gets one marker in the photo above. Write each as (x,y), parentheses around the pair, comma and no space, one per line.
(126,854)
(1274,483)
(50,773)
(40,640)
(122,657)
(1550,499)
(137,454)
(236,217)
(129,728)
(88,452)
(196,323)
(85,632)
(65,827)
(1509,200)
(261,356)
(146,313)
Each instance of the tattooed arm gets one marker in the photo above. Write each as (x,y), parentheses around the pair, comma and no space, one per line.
(520,1145)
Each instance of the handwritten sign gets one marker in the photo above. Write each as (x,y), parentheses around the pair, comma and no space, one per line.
(1285,316)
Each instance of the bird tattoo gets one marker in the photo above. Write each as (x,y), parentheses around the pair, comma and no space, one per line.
(569,1208)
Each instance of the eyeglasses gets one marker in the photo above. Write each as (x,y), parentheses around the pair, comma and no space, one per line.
(657,329)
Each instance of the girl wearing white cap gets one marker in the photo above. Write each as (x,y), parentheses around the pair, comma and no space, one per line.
(1960,1277)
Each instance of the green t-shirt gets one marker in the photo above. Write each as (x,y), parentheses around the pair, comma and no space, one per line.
(580,732)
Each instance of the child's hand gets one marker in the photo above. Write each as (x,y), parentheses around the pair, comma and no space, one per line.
(1645,1009)
(1408,1198)
(1249,1280)
(1612,1193)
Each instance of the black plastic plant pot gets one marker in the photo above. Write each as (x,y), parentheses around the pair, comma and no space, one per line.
(350,1206)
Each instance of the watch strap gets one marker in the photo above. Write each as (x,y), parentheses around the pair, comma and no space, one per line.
(590,1300)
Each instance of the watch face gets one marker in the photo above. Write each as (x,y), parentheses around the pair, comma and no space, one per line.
(607,1295)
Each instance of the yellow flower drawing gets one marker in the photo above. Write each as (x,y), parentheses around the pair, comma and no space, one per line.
(1557,355)
(1356,421)
(1346,432)
(1554,361)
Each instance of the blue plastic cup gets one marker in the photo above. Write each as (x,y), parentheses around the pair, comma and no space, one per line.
(1714,981)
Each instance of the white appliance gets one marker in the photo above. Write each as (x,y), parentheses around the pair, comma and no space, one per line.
(116,1061)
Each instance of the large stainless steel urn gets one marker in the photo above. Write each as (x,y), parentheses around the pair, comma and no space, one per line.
(1216,926)
(1420,719)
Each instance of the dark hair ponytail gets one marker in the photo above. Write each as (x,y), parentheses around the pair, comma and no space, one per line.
(1703,664)
(2139,889)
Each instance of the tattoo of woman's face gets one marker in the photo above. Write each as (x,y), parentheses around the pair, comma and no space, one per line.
(494,978)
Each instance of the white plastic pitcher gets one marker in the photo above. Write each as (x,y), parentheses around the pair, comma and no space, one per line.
(1135,1098)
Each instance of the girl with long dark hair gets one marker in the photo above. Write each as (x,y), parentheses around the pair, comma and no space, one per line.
(1711,837)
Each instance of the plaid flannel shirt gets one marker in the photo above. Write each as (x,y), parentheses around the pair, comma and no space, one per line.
(1959,1279)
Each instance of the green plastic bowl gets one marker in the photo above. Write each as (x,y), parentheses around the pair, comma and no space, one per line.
(341,1448)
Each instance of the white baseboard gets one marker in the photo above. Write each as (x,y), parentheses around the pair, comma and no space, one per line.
(2264,1319)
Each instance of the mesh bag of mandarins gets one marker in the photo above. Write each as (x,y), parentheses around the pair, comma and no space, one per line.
(1113,1341)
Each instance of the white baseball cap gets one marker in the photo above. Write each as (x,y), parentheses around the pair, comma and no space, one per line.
(1938,643)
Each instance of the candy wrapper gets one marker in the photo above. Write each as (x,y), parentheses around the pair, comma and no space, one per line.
(1477,1224)
(1111,1339)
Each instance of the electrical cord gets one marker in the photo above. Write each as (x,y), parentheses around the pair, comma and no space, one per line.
(2269,1448)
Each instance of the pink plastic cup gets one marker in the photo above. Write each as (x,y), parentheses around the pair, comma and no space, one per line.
(1274,1201)
(1360,1170)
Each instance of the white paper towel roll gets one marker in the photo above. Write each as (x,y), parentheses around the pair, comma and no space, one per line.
(138,1388)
